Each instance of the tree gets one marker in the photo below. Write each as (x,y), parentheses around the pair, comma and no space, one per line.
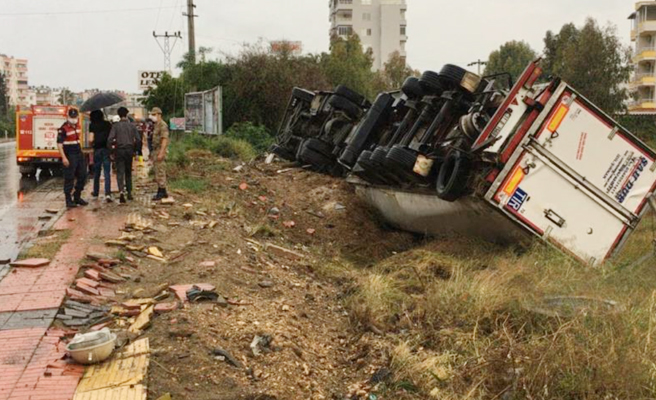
(168,96)
(4,100)
(65,97)
(396,71)
(347,64)
(593,60)
(512,57)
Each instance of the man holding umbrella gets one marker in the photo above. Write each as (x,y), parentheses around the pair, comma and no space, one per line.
(75,166)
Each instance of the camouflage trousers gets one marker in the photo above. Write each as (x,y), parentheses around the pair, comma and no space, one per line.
(160,173)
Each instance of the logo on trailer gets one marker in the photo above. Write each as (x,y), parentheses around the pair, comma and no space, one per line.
(628,186)
(517,200)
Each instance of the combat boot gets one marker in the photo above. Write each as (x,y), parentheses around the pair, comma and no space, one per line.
(69,202)
(158,196)
(165,195)
(79,200)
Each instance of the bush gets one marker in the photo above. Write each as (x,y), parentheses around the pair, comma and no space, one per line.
(256,135)
(233,148)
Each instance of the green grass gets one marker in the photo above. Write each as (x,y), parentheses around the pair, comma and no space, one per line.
(193,185)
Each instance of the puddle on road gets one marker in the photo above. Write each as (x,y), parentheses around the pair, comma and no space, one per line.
(22,202)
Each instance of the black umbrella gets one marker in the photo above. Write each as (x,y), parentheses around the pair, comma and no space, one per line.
(101,100)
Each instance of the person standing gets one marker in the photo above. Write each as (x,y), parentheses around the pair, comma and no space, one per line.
(160,146)
(75,166)
(126,139)
(100,129)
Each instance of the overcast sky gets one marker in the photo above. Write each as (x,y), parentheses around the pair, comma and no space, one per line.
(102,44)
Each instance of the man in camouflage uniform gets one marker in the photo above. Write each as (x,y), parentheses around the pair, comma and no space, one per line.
(158,155)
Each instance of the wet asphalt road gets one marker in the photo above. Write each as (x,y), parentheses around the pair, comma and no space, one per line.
(22,203)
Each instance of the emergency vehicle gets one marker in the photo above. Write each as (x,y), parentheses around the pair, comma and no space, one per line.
(36,138)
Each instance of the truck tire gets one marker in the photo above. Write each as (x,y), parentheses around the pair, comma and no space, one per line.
(412,88)
(431,83)
(401,158)
(345,105)
(27,170)
(452,75)
(379,155)
(309,156)
(349,94)
(282,152)
(303,95)
(320,146)
(453,176)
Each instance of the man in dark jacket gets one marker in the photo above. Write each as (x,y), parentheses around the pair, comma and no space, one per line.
(100,129)
(125,137)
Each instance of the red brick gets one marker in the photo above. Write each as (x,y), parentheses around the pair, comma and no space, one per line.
(88,282)
(86,289)
(166,307)
(92,274)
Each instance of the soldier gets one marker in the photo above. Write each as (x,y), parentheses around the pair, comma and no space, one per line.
(160,146)
(75,166)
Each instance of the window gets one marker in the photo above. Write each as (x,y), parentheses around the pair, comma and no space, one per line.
(369,32)
(402,45)
(345,1)
(403,30)
(366,16)
(344,30)
(366,2)
(403,13)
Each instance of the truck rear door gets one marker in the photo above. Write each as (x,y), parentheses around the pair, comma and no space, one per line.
(578,180)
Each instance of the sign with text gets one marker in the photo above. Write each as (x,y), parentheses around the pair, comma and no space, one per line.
(149,79)
(177,124)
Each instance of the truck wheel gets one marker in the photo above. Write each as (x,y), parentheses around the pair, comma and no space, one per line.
(401,158)
(282,152)
(412,88)
(431,82)
(350,108)
(27,170)
(453,177)
(320,146)
(379,155)
(313,157)
(349,94)
(303,95)
(452,75)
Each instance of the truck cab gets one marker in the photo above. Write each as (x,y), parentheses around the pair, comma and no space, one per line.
(36,138)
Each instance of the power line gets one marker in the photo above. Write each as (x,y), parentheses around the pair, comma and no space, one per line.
(83,12)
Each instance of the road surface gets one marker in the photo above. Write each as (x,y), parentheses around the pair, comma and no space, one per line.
(22,203)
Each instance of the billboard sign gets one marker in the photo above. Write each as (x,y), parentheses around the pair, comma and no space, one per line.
(149,79)
(203,112)
(177,124)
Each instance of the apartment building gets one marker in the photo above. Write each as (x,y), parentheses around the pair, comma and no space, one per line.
(380,24)
(15,72)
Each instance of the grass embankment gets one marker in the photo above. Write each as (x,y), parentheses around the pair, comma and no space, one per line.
(461,319)
(189,151)
(466,319)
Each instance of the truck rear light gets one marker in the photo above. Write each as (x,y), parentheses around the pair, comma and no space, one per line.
(22,159)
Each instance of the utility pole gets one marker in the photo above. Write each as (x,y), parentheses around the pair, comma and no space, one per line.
(167,48)
(479,63)
(192,30)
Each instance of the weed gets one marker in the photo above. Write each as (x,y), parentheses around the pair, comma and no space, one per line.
(46,247)
(193,185)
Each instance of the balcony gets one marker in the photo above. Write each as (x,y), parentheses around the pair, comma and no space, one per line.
(643,79)
(644,103)
(634,34)
(646,26)
(644,53)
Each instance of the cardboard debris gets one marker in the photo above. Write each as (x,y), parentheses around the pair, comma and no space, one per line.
(168,200)
(30,263)
(142,321)
(155,252)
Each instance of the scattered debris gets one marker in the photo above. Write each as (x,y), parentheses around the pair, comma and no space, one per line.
(155,252)
(283,252)
(181,290)
(196,294)
(311,231)
(274,211)
(142,321)
(30,263)
(289,224)
(168,200)
(266,284)
(92,347)
(260,343)
(243,186)
(223,355)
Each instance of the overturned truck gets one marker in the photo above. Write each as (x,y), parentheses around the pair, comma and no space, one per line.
(481,156)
